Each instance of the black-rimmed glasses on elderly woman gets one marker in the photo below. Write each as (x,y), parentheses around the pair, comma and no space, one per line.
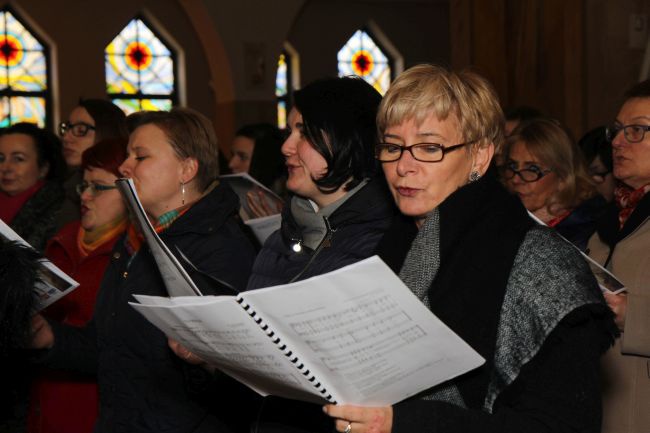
(424,152)
(632,133)
(530,174)
(79,129)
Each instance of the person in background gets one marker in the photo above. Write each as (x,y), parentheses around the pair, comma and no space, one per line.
(143,387)
(256,151)
(513,290)
(31,171)
(545,169)
(82,249)
(91,121)
(622,244)
(597,152)
(519,114)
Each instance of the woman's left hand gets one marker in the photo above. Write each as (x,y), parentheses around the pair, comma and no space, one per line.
(361,419)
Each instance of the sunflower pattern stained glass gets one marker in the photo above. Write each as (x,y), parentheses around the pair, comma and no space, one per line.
(23,73)
(361,56)
(282,90)
(140,70)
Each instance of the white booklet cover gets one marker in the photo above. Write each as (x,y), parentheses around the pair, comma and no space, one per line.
(53,283)
(356,335)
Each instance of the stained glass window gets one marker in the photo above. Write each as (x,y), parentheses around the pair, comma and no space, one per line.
(24,94)
(363,57)
(140,69)
(282,89)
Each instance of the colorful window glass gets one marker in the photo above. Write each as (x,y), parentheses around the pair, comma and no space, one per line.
(24,93)
(282,89)
(363,57)
(140,70)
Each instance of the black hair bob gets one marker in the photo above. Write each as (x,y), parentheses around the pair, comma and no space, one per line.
(339,120)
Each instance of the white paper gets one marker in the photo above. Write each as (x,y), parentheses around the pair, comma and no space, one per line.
(177,281)
(359,330)
(242,184)
(606,280)
(54,283)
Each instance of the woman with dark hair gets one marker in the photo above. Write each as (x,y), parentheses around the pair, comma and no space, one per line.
(256,151)
(338,211)
(89,122)
(597,152)
(545,169)
(31,170)
(82,249)
(172,160)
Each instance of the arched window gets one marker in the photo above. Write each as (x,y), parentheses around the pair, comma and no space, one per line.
(24,92)
(282,88)
(363,57)
(140,69)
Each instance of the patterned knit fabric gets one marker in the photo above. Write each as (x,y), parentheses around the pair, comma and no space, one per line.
(420,268)
(626,199)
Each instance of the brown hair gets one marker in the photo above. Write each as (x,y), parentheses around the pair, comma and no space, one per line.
(429,89)
(190,134)
(551,143)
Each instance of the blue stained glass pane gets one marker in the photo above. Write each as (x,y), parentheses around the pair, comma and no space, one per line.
(281,84)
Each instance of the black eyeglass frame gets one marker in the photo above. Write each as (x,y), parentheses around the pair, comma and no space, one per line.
(95,188)
(443,150)
(537,171)
(612,131)
(74,128)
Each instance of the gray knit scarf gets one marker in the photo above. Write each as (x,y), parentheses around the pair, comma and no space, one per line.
(550,289)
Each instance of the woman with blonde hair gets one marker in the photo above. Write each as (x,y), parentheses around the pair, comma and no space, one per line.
(512,289)
(546,170)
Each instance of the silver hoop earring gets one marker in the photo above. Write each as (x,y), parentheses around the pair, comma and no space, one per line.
(474,176)
(183,193)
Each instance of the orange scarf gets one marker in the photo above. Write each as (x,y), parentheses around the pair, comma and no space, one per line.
(106,233)
(134,238)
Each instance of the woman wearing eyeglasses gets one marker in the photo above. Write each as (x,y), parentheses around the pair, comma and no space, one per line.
(513,290)
(31,172)
(597,150)
(82,249)
(91,121)
(546,170)
(622,244)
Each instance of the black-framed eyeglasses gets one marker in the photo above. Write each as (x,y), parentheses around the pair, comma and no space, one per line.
(529,174)
(632,133)
(95,188)
(424,152)
(79,129)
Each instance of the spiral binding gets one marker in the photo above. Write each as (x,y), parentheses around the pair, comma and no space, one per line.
(288,353)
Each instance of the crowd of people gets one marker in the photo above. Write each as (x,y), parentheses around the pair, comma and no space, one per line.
(485,217)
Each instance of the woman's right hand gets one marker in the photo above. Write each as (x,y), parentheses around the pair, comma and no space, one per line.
(42,335)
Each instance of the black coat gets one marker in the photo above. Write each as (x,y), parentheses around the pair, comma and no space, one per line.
(36,221)
(143,386)
(356,228)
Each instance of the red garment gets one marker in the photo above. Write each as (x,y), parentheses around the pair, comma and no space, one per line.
(626,199)
(62,402)
(10,205)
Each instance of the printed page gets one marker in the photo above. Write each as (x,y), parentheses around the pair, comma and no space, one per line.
(176,279)
(242,184)
(220,331)
(364,334)
(606,280)
(53,284)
